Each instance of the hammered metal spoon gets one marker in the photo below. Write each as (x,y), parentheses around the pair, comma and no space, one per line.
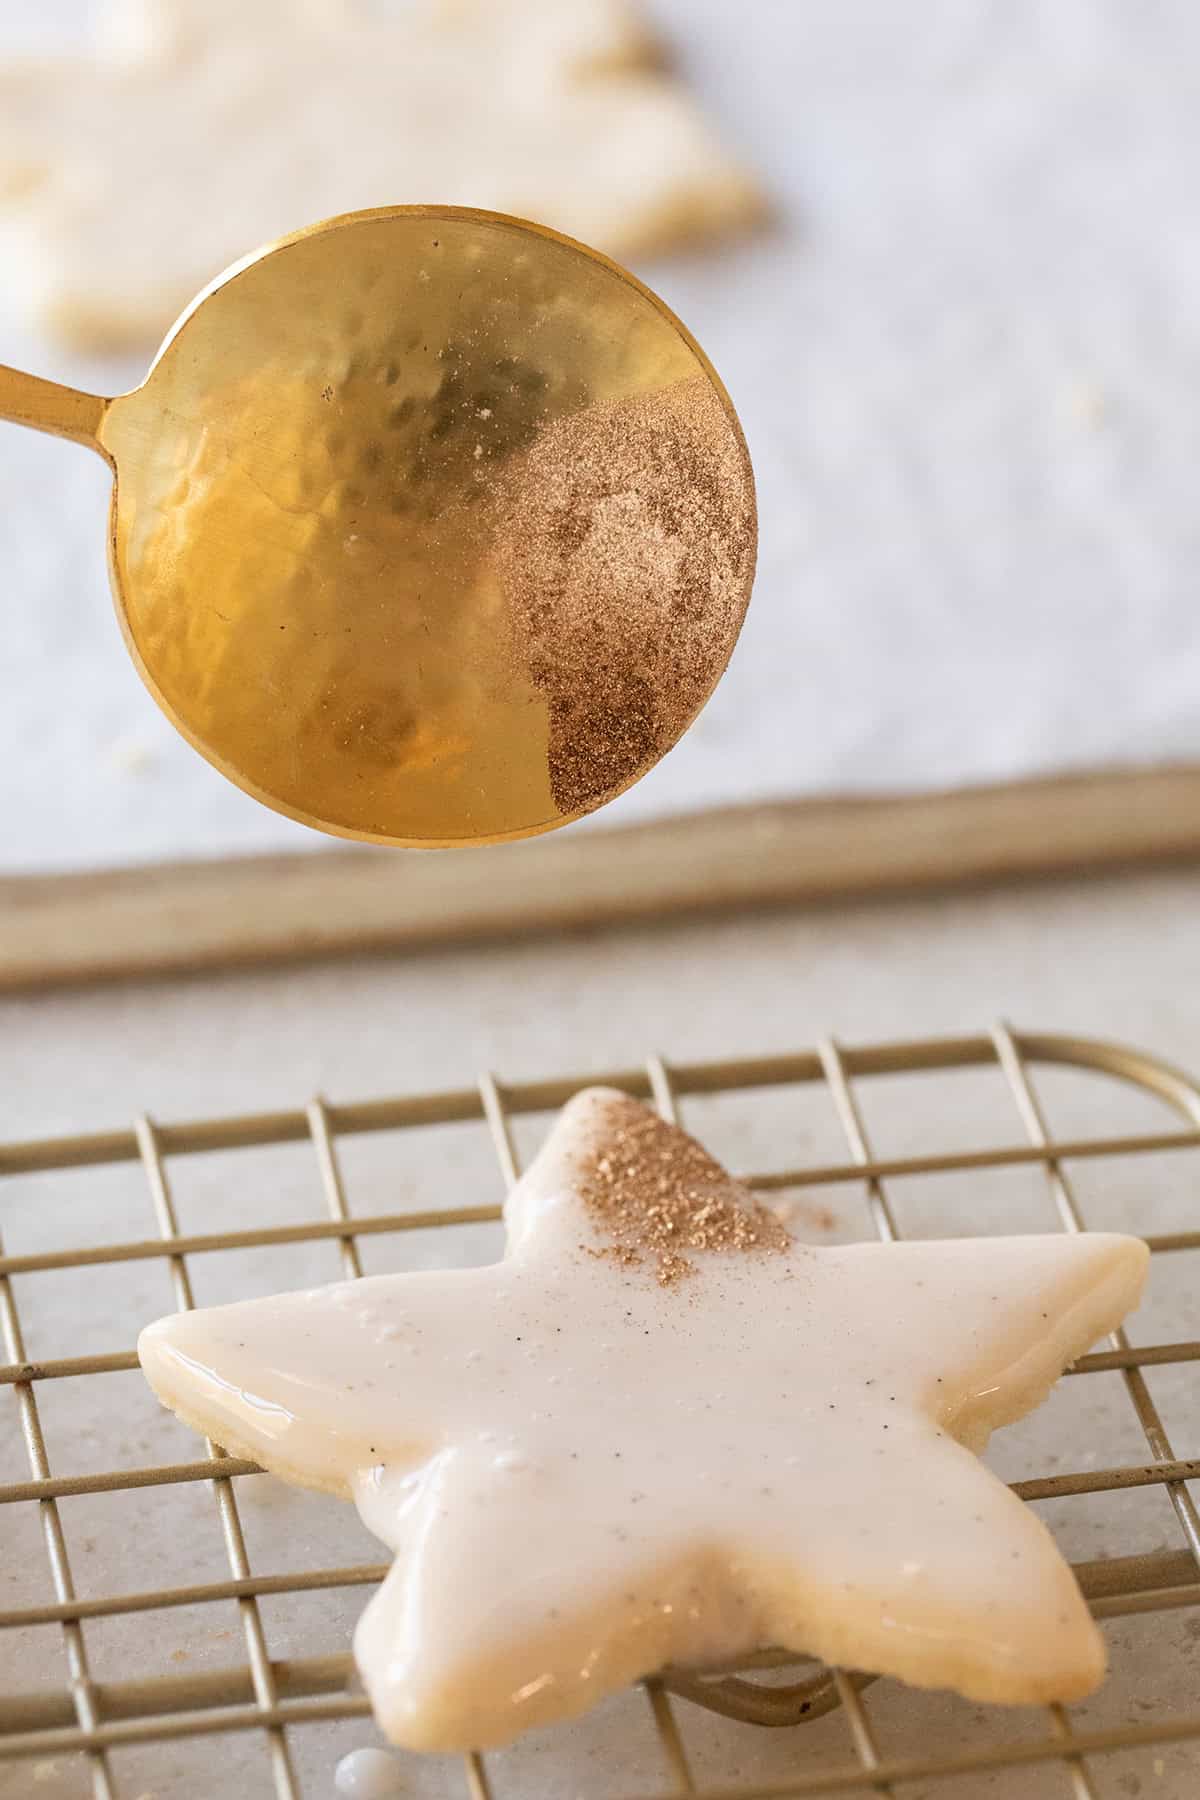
(429,526)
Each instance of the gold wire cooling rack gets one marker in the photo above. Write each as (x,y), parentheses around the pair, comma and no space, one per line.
(85,1725)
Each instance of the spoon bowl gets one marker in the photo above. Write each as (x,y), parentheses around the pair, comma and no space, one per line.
(429,526)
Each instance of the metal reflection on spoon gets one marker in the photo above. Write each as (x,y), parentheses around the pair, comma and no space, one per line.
(429,526)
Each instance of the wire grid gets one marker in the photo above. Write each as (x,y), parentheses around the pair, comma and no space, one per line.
(94,1719)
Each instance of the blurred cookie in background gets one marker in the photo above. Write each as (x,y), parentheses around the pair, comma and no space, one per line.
(197,130)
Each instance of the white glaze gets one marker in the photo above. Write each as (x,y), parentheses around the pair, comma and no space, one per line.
(586,1475)
(369,1774)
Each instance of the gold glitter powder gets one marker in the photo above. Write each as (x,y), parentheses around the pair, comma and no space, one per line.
(655,1195)
(624,551)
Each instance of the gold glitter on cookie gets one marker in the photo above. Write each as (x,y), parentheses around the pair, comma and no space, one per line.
(656,1196)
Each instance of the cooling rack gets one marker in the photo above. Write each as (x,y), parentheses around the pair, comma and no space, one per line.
(80,1728)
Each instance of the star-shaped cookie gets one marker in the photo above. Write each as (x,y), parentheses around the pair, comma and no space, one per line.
(661,1431)
(205,128)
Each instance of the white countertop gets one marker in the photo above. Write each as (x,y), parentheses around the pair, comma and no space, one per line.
(966,356)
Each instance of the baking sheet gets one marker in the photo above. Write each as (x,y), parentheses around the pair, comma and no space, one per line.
(965,355)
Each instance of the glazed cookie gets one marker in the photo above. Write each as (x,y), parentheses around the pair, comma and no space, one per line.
(662,1431)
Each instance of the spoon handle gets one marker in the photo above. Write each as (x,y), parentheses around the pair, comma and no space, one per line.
(44,405)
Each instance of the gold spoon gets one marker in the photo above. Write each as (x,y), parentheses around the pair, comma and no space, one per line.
(429,526)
